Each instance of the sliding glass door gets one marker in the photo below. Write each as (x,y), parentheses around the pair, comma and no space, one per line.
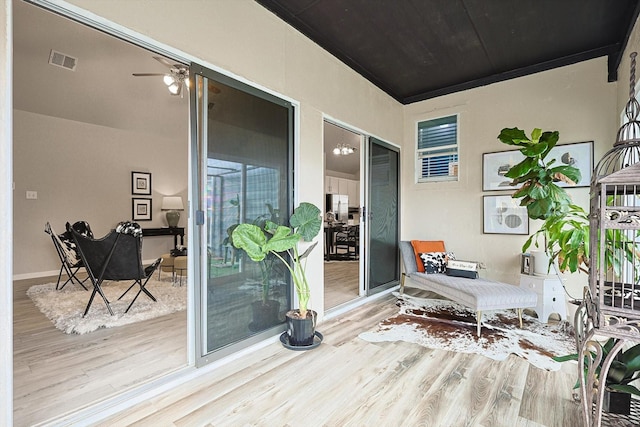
(382,216)
(243,153)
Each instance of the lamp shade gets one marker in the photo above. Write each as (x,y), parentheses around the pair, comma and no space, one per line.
(172,203)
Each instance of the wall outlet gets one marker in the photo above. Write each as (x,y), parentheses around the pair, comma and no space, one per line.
(32,195)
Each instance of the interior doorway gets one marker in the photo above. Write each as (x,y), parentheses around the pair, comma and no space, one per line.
(342,226)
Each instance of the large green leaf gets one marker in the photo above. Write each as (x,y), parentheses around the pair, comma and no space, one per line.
(251,239)
(570,172)
(512,136)
(306,221)
(521,169)
(283,240)
(534,150)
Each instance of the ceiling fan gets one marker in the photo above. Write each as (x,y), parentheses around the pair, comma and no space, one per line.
(176,78)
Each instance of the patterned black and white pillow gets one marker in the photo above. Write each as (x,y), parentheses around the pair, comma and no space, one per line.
(436,262)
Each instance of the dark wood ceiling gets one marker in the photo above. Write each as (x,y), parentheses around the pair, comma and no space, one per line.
(420,49)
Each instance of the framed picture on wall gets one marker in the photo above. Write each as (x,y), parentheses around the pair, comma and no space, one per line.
(495,166)
(141,209)
(579,155)
(504,215)
(141,183)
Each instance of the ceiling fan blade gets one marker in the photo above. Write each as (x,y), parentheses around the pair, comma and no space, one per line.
(148,74)
(166,62)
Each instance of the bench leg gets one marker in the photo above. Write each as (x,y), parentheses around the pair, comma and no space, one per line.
(402,283)
(520,317)
(479,317)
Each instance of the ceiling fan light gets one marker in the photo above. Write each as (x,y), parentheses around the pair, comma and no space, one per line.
(336,151)
(174,88)
(168,80)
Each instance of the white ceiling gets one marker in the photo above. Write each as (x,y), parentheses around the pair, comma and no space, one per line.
(334,135)
(102,89)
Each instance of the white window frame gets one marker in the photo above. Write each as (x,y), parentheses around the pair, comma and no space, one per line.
(422,153)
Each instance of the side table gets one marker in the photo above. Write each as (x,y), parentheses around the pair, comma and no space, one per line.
(551,298)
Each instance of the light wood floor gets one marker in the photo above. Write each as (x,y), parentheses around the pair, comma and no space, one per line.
(344,382)
(55,373)
(341,280)
(350,382)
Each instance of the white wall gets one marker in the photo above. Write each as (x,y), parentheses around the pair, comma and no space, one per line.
(575,100)
(83,172)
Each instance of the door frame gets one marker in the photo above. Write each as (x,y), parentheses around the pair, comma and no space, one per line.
(363,288)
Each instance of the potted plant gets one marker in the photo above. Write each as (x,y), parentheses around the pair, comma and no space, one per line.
(265,311)
(624,369)
(274,239)
(565,229)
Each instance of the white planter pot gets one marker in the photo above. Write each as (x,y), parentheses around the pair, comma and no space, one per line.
(541,263)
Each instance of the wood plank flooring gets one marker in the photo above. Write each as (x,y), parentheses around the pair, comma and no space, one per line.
(347,381)
(341,280)
(344,382)
(55,373)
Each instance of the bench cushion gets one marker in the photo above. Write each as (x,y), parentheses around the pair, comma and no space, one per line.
(478,294)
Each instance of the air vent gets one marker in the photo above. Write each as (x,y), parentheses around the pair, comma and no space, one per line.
(64,61)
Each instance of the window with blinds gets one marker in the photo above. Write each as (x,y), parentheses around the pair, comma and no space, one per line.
(437,155)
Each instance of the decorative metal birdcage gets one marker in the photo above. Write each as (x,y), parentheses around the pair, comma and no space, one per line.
(610,310)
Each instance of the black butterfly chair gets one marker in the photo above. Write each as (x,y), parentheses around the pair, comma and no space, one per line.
(116,256)
(66,249)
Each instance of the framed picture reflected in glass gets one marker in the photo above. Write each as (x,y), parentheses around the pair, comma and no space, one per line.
(141,209)
(141,183)
(504,215)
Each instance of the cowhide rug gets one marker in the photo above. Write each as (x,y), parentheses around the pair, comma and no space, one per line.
(65,307)
(446,325)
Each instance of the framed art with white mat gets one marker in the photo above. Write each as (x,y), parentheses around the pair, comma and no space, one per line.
(504,215)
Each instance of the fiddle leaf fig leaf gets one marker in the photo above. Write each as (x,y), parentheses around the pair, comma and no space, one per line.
(512,136)
(568,174)
(521,169)
(535,134)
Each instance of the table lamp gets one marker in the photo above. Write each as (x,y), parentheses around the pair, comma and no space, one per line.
(172,204)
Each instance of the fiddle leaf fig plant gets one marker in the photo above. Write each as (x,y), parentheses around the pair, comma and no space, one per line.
(565,230)
(540,194)
(566,226)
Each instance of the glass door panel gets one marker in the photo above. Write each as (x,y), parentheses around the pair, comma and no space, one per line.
(383,217)
(244,162)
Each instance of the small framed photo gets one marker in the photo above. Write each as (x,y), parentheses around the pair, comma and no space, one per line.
(504,215)
(525,264)
(141,183)
(141,209)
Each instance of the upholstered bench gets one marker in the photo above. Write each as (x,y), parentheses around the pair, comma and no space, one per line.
(478,294)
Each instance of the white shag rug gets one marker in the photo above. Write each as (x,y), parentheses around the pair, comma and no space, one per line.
(446,325)
(65,308)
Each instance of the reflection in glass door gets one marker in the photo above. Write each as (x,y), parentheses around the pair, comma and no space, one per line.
(383,216)
(244,162)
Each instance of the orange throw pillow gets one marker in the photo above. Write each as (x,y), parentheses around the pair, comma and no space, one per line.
(424,246)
